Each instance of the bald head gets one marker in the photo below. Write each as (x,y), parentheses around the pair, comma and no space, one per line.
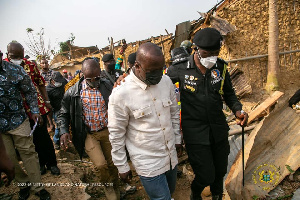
(151,55)
(90,68)
(149,63)
(15,50)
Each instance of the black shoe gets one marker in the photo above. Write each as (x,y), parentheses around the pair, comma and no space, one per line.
(43,194)
(217,197)
(24,193)
(55,170)
(43,170)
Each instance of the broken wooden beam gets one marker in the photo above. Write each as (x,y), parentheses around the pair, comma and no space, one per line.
(264,106)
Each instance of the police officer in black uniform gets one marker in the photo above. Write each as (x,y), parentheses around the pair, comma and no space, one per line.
(204,84)
(109,71)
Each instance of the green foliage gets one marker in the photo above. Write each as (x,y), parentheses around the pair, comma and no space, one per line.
(29,30)
(72,38)
(63,47)
(290,169)
(254,197)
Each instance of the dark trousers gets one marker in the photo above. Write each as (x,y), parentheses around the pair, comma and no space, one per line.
(43,144)
(209,163)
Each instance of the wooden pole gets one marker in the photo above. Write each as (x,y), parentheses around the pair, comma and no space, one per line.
(152,39)
(112,46)
(162,45)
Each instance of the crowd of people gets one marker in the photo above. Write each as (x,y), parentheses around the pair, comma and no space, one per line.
(113,116)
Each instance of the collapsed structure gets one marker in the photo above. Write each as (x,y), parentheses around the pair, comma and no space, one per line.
(244,25)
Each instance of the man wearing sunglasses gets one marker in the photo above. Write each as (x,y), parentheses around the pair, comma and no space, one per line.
(84,108)
(144,117)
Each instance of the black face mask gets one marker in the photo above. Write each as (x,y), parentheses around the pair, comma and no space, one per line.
(154,77)
(111,67)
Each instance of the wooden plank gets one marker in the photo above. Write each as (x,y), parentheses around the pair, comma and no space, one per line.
(182,33)
(264,106)
(235,132)
(271,147)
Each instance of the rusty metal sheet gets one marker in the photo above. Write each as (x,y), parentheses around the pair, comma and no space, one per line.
(182,33)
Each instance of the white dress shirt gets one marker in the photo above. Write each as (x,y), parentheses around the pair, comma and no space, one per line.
(146,119)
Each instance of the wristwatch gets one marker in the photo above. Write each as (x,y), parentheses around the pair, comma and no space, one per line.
(47,101)
(243,112)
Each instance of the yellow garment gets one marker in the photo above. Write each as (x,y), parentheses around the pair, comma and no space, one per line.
(72,82)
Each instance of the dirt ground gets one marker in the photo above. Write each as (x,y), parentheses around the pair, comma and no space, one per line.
(69,185)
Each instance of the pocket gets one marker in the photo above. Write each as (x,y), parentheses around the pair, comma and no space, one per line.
(166,102)
(142,112)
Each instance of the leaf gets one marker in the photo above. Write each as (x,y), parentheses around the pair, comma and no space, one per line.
(29,30)
(254,197)
(290,169)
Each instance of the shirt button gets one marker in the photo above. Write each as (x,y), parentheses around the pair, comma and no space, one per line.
(158,114)
(142,113)
(169,102)
(154,99)
(164,129)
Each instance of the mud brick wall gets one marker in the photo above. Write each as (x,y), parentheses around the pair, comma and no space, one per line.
(251,38)
(133,46)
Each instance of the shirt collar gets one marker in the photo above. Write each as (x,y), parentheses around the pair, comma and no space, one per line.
(84,85)
(138,81)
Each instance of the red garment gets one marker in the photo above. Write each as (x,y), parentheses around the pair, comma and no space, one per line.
(37,80)
(93,107)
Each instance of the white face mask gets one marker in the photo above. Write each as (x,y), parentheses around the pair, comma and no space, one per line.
(207,62)
(16,61)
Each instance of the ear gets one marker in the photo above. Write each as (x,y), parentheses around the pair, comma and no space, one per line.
(136,65)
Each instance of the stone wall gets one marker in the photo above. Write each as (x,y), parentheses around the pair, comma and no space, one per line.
(251,39)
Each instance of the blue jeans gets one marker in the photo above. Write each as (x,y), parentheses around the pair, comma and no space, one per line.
(162,186)
(56,132)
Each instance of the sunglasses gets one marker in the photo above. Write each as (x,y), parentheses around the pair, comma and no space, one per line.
(97,78)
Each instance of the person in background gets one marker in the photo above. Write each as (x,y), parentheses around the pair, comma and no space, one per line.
(70,77)
(187,45)
(15,128)
(84,108)
(65,74)
(112,69)
(146,121)
(204,83)
(41,138)
(77,76)
(131,61)
(294,100)
(56,90)
(46,72)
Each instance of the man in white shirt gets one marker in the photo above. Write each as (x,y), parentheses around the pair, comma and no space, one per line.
(143,114)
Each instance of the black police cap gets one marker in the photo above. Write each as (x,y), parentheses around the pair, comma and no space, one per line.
(131,58)
(107,57)
(208,39)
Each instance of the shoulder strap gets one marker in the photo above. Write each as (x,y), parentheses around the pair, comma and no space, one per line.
(109,77)
(221,92)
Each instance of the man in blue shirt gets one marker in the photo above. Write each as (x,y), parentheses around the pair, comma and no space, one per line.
(15,128)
